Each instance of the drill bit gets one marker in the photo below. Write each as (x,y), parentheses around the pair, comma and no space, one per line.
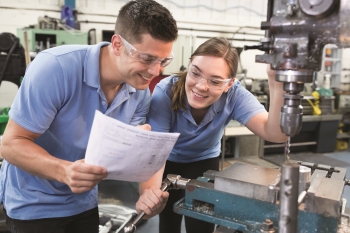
(286,149)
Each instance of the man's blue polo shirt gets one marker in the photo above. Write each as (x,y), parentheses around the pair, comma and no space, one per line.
(57,99)
(203,141)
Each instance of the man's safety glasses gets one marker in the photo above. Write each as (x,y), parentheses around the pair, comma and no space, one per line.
(212,83)
(146,58)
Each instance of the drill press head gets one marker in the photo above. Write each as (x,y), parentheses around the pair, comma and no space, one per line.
(295,33)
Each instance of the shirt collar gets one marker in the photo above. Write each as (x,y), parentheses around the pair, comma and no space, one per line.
(213,110)
(128,88)
(92,60)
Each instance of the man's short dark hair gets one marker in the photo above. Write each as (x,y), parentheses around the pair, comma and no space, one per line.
(145,17)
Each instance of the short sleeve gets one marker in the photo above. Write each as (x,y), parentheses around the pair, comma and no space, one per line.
(41,94)
(246,105)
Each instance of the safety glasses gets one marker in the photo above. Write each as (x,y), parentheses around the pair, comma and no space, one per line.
(146,58)
(212,83)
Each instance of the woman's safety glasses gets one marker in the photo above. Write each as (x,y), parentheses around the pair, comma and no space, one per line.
(212,83)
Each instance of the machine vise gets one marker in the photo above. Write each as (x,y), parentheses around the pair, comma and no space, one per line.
(301,197)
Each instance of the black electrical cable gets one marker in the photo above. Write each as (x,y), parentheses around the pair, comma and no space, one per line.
(14,45)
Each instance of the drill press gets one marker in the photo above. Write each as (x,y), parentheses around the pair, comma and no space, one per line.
(250,198)
(296,32)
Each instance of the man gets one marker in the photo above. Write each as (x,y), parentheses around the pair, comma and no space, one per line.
(45,185)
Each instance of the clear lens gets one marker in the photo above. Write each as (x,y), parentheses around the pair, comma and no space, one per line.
(213,83)
(146,58)
(166,61)
(216,82)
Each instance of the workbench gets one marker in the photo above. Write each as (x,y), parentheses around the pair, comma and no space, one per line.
(236,130)
(318,134)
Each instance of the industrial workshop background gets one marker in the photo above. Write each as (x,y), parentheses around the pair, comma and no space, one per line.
(237,20)
(92,21)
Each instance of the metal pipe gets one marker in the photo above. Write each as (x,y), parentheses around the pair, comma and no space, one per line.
(304,178)
(218,31)
(292,144)
(301,197)
(268,17)
(269,10)
(229,39)
(288,220)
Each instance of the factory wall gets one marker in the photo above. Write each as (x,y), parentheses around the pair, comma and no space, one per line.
(198,20)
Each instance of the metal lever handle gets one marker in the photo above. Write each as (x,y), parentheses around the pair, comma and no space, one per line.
(264,45)
(132,226)
(247,47)
(168,183)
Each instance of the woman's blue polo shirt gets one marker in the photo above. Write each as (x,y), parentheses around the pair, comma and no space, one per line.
(203,141)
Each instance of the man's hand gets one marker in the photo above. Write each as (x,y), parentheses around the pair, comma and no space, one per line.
(82,177)
(152,201)
(145,127)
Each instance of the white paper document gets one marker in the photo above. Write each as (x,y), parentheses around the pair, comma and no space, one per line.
(128,153)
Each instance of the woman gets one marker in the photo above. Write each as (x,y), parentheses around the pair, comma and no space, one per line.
(199,104)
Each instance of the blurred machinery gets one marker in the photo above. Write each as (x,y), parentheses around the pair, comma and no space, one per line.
(51,32)
(48,33)
(12,60)
(15,51)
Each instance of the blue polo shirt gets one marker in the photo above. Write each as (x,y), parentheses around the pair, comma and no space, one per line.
(203,141)
(57,99)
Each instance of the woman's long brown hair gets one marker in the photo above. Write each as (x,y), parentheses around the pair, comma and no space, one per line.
(217,47)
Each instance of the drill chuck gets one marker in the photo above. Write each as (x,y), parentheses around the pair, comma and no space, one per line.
(292,111)
(291,114)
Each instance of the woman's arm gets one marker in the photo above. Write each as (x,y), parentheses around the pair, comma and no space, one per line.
(267,125)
